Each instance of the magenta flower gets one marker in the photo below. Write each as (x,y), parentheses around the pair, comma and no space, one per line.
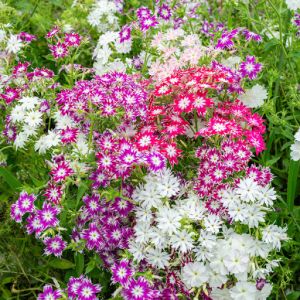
(59,50)
(15,213)
(26,37)
(72,39)
(61,171)
(82,289)
(156,161)
(251,36)
(121,272)
(26,203)
(250,67)
(54,245)
(146,23)
(69,135)
(92,204)
(164,12)
(143,12)
(10,94)
(49,294)
(93,236)
(122,206)
(48,215)
(125,33)
(137,289)
(53,32)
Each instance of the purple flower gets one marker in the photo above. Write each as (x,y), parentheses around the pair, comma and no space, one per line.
(48,215)
(125,33)
(137,289)
(49,294)
(165,12)
(156,161)
(250,67)
(122,206)
(92,236)
(54,245)
(15,213)
(26,203)
(225,41)
(121,272)
(34,225)
(143,12)
(249,35)
(92,204)
(87,290)
(82,289)
(148,22)
(260,283)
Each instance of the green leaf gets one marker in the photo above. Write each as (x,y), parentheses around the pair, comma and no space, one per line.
(272,161)
(10,179)
(61,264)
(292,183)
(79,261)
(293,296)
(90,267)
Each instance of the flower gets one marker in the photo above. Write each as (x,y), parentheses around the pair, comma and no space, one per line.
(243,290)
(194,274)
(273,234)
(54,245)
(250,67)
(49,293)
(254,97)
(292,4)
(14,44)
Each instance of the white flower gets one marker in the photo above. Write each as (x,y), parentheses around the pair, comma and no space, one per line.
(243,291)
(124,47)
(212,223)
(29,130)
(158,238)
(2,35)
(62,121)
(142,233)
(167,185)
(265,292)
(33,118)
(255,215)
(14,44)
(207,240)
(231,61)
(216,279)
(147,196)
(20,140)
(157,258)
(220,294)
(45,142)
(168,220)
(82,145)
(136,250)
(182,241)
(267,195)
(293,4)
(295,151)
(29,103)
(255,96)
(273,234)
(236,262)
(217,263)
(17,114)
(248,190)
(194,274)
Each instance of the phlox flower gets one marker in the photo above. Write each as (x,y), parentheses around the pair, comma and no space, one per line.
(54,245)
(49,293)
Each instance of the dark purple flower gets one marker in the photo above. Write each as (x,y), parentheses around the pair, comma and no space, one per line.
(48,215)
(121,272)
(137,289)
(26,203)
(93,236)
(164,12)
(156,161)
(54,245)
(49,294)
(148,22)
(250,67)
(125,33)
(249,35)
(225,42)
(143,12)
